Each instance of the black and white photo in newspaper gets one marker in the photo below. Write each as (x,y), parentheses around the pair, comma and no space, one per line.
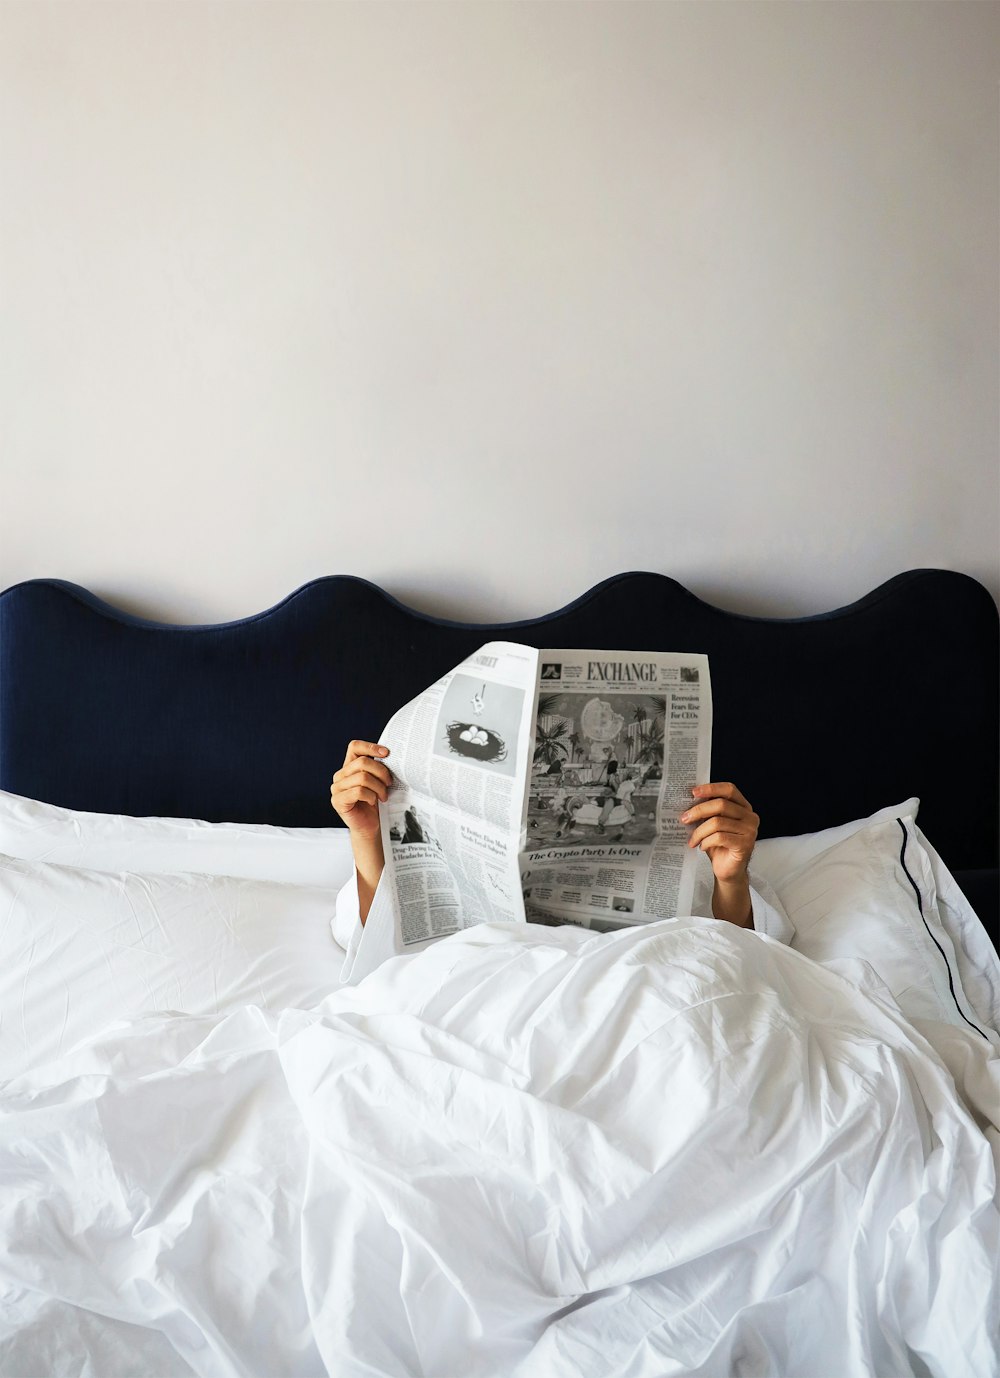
(620,738)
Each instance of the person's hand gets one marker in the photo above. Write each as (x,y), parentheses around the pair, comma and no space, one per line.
(359,786)
(362,782)
(724,826)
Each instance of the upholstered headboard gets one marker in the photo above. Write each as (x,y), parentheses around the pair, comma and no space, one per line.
(819,719)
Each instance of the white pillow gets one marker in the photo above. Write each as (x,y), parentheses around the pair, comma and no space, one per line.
(82,949)
(112,842)
(777,857)
(871,896)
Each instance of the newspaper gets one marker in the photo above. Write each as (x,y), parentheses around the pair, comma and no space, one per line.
(545,786)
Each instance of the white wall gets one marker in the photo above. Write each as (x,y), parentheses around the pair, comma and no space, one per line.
(487,301)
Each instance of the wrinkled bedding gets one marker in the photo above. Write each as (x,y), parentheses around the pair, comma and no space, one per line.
(681,1149)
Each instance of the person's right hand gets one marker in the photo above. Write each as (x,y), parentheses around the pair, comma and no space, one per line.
(362,781)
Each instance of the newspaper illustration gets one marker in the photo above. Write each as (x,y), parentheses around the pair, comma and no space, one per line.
(545,786)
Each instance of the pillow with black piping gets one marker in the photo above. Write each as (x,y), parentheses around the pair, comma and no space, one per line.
(872,897)
(775,858)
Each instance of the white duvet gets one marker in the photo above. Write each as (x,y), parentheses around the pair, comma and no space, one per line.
(682,1149)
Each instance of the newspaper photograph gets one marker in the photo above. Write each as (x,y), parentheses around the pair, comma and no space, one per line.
(620,738)
(545,786)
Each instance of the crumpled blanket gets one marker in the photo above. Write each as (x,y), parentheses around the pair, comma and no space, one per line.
(674,1150)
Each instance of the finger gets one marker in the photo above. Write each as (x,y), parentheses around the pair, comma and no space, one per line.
(371,749)
(738,844)
(713,808)
(711,838)
(735,828)
(360,794)
(350,782)
(720,808)
(364,768)
(363,771)
(345,800)
(724,789)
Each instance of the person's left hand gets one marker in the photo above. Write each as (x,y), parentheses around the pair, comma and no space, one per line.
(725,828)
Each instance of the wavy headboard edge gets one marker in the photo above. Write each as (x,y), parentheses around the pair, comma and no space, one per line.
(820,719)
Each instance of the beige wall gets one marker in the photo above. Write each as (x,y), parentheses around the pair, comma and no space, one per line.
(487,301)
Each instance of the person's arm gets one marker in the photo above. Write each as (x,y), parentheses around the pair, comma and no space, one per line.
(368,863)
(725,827)
(358,787)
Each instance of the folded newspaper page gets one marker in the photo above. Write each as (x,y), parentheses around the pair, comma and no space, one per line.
(545,786)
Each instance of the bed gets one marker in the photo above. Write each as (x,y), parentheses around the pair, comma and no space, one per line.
(675,1149)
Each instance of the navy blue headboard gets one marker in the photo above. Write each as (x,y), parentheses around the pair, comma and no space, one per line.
(819,719)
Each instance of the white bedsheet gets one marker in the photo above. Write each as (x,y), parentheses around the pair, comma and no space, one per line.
(536,1152)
